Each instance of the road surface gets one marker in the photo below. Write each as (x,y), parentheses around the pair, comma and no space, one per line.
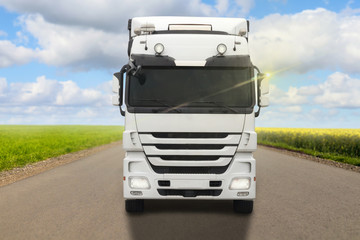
(296,199)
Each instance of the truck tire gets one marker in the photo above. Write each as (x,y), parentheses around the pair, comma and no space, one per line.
(243,206)
(134,206)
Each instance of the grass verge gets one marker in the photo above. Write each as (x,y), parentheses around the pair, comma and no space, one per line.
(23,144)
(341,145)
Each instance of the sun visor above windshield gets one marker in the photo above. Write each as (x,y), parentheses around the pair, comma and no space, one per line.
(152,61)
(216,61)
(229,61)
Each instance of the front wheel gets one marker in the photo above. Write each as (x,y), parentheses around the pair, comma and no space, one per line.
(134,205)
(243,206)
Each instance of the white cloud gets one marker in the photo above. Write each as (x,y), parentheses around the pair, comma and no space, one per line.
(75,47)
(12,54)
(292,109)
(22,38)
(71,94)
(40,92)
(338,91)
(47,101)
(245,6)
(71,34)
(114,13)
(3,86)
(222,6)
(108,15)
(87,113)
(47,92)
(3,34)
(310,90)
(235,8)
(291,97)
(311,39)
(276,116)
(107,115)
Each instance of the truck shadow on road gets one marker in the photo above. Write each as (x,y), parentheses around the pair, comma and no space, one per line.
(190,219)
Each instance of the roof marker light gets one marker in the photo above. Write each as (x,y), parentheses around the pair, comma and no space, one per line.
(159,48)
(221,48)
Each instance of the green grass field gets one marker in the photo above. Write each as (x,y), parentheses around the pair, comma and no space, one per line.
(21,145)
(342,145)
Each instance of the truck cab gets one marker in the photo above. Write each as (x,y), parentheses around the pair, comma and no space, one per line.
(190,96)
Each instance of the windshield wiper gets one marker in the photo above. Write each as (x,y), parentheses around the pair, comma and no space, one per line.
(217,104)
(170,107)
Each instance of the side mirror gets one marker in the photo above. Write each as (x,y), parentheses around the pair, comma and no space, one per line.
(264,86)
(115,100)
(115,84)
(264,101)
(263,89)
(117,87)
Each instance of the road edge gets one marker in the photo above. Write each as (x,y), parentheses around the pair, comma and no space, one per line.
(302,155)
(17,174)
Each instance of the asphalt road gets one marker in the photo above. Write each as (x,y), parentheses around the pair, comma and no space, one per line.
(296,199)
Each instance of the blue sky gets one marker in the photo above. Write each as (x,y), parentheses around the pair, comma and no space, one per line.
(56,62)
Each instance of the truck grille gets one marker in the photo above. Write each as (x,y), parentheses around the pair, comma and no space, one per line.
(190,135)
(190,153)
(189,170)
(189,158)
(189,146)
(189,193)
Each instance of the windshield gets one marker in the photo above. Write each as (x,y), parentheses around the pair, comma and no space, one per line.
(177,88)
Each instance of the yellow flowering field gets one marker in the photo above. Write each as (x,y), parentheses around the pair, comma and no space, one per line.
(341,145)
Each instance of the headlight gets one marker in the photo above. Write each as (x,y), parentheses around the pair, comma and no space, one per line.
(139,183)
(240,184)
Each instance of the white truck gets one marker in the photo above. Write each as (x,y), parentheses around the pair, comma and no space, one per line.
(191,99)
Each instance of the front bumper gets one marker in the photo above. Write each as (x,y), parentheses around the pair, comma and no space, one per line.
(189,186)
